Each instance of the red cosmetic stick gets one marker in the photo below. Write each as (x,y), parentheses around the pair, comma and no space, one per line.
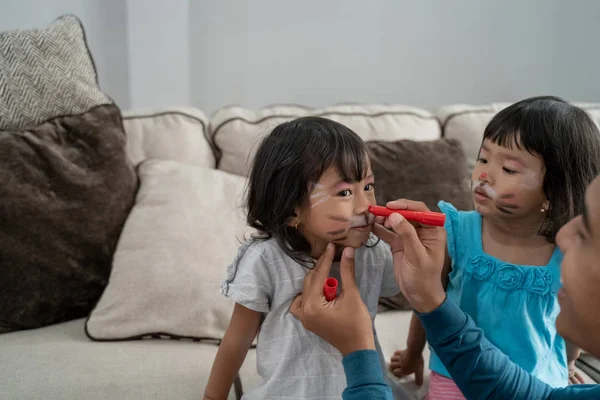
(330,289)
(423,217)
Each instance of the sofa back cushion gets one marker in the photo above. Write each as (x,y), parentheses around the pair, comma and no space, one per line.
(66,183)
(181,235)
(236,131)
(177,134)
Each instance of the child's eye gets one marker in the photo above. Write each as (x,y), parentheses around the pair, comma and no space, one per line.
(369,187)
(509,171)
(482,160)
(345,193)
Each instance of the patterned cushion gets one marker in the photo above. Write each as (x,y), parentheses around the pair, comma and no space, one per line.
(66,182)
(45,73)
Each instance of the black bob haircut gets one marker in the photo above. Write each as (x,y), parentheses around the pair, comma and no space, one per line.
(287,165)
(567,140)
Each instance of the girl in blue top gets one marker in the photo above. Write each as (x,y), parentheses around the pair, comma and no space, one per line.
(503,267)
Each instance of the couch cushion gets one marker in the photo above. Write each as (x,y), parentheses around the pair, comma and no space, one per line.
(180,237)
(178,134)
(428,171)
(45,73)
(66,184)
(467,123)
(236,130)
(59,362)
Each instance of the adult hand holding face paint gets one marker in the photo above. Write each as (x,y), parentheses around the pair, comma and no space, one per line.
(345,322)
(418,254)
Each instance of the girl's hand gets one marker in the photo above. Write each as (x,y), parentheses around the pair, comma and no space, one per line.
(418,256)
(345,322)
(405,362)
(575,377)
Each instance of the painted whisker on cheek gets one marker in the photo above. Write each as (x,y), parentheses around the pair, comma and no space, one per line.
(531,180)
(318,198)
(316,195)
(503,209)
(506,207)
(337,232)
(338,218)
(339,239)
(507,196)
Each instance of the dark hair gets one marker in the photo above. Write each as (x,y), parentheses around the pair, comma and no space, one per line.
(567,140)
(287,165)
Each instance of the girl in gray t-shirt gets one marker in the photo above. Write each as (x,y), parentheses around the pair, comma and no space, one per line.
(311,184)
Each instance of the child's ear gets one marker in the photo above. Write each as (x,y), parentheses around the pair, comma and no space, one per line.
(546,205)
(294,220)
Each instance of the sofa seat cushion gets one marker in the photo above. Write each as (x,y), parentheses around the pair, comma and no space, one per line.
(59,362)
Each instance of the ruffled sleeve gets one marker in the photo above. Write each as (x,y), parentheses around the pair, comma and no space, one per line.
(248,282)
(451,226)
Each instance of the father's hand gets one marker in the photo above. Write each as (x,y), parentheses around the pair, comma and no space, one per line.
(418,256)
(345,322)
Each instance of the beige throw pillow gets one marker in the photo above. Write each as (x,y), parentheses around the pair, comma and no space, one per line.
(181,235)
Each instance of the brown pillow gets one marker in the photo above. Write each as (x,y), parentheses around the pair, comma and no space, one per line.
(427,171)
(66,188)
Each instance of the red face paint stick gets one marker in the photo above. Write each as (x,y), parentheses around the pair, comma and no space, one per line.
(423,217)
(330,289)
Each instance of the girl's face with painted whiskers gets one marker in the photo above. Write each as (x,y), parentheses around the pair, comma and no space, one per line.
(337,212)
(508,182)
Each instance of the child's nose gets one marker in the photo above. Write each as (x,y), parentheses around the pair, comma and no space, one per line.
(362,205)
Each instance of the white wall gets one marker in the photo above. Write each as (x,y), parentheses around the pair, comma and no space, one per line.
(106,31)
(158,43)
(578,58)
(420,52)
(209,53)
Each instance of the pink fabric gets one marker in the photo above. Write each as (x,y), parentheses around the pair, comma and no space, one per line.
(442,388)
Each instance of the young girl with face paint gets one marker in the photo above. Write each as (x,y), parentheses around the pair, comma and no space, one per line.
(310,185)
(535,162)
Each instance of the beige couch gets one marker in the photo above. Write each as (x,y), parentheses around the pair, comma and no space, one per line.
(61,362)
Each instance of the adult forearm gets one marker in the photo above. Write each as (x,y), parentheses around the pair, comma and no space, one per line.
(479,369)
(364,377)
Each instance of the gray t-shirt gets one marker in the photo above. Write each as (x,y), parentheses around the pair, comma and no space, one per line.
(293,362)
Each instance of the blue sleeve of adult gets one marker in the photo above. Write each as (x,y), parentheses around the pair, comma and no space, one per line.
(481,370)
(364,377)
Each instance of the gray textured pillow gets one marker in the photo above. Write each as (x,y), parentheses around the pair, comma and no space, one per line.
(427,171)
(45,73)
(66,183)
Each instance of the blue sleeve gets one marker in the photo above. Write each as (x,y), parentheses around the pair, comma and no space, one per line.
(364,377)
(479,369)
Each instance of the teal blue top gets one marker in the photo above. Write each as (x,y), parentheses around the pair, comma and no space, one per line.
(515,305)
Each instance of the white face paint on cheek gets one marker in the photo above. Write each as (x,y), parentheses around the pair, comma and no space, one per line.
(530,180)
(319,195)
(318,198)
